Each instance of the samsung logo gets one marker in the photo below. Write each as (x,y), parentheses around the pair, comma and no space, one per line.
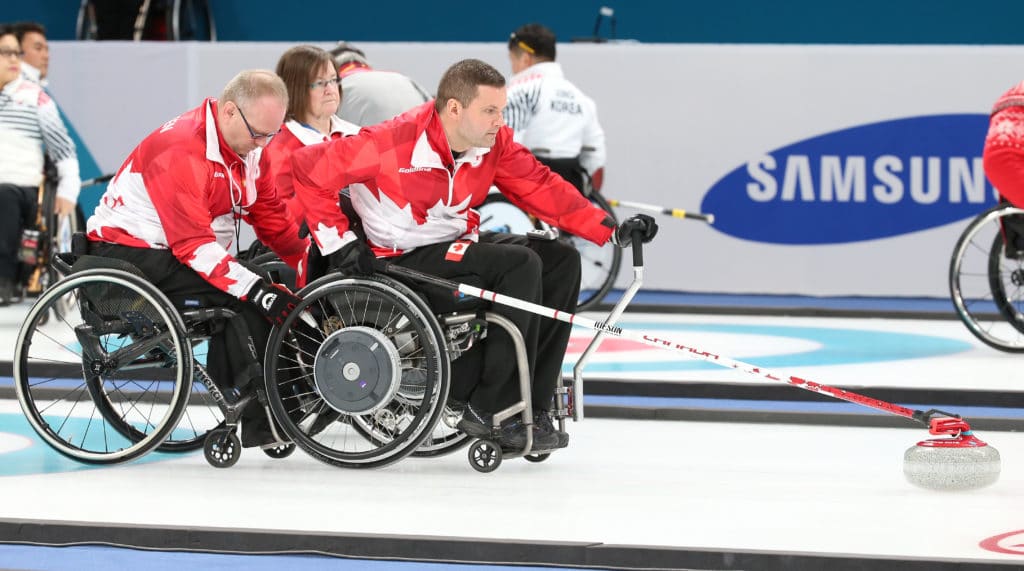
(866,182)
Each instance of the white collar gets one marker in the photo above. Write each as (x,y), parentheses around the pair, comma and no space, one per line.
(32,73)
(544,68)
(423,155)
(309,136)
(212,140)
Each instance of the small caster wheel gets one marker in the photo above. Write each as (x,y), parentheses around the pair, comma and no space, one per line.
(222,448)
(484,456)
(537,457)
(282,450)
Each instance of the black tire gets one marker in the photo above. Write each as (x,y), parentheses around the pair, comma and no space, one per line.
(599,264)
(222,448)
(396,425)
(110,381)
(484,456)
(986,285)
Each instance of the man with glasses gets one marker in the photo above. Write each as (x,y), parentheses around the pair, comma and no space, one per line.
(30,127)
(173,210)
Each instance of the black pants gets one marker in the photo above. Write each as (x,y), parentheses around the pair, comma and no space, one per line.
(229,360)
(17,211)
(539,271)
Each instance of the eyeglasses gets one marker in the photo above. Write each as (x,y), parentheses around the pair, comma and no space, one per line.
(322,83)
(12,53)
(254,134)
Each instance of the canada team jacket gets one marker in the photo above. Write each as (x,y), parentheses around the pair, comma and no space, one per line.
(410,192)
(295,135)
(183,189)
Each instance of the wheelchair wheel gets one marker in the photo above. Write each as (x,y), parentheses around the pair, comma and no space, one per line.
(445,438)
(986,278)
(364,387)
(599,264)
(109,381)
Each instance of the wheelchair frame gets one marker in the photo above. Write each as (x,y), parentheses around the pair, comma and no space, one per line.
(403,343)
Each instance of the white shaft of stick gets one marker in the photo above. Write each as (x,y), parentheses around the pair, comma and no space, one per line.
(692,352)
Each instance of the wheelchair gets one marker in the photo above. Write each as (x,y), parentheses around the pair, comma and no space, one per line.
(110,377)
(986,277)
(357,376)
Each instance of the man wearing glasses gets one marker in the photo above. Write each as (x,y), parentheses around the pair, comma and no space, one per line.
(173,210)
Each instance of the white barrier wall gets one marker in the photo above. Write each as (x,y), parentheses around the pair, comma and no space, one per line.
(833,170)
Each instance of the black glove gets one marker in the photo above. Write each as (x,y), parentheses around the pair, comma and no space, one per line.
(354,258)
(274,301)
(623,235)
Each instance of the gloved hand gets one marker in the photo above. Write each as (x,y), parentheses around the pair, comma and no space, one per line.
(623,235)
(274,301)
(354,258)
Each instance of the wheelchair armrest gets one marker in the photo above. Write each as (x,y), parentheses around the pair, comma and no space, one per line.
(62,262)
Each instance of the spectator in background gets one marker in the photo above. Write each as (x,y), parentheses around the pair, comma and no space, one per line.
(30,127)
(314,96)
(549,115)
(35,63)
(35,66)
(370,95)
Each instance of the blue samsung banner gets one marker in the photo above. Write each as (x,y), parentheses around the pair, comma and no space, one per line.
(862,183)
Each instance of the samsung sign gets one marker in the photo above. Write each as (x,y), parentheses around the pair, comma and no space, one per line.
(866,182)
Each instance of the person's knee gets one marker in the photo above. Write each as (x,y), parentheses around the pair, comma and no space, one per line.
(563,258)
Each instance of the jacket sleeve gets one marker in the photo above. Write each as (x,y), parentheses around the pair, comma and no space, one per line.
(271,220)
(60,148)
(178,188)
(533,187)
(320,171)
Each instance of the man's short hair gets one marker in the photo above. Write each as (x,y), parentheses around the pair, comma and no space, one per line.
(7,29)
(22,28)
(461,80)
(251,84)
(533,39)
(298,67)
(345,53)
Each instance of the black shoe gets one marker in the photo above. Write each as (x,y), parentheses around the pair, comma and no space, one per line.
(475,422)
(544,428)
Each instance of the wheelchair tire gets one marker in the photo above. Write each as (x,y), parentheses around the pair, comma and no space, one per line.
(987,285)
(104,384)
(405,381)
(444,439)
(599,264)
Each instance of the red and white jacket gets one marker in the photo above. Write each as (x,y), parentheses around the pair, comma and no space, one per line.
(295,135)
(410,192)
(184,189)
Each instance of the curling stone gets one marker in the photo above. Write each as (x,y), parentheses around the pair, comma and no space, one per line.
(962,462)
